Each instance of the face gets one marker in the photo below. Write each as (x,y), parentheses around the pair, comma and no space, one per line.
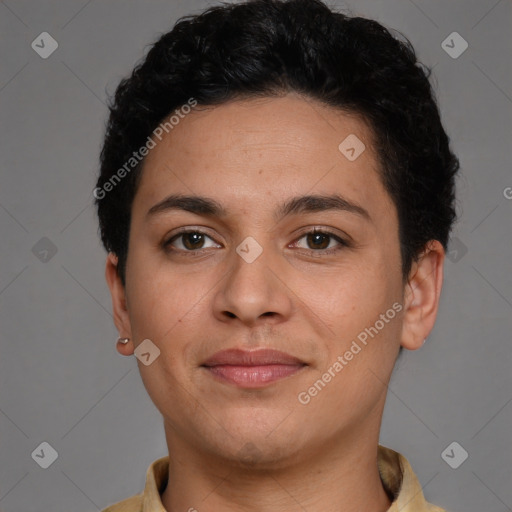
(281,244)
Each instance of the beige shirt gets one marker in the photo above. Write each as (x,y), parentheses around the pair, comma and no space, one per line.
(396,473)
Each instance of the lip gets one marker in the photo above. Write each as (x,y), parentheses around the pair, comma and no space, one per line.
(252,369)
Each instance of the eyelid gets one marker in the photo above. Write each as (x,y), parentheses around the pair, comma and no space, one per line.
(332,232)
(183,231)
(342,240)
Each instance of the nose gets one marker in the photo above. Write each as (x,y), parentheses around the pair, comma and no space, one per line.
(254,290)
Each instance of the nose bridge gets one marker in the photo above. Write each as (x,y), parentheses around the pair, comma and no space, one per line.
(250,274)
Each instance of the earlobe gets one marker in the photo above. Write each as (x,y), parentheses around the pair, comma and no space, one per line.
(125,346)
(421,296)
(119,307)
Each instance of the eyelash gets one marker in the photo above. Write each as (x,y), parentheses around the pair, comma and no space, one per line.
(323,252)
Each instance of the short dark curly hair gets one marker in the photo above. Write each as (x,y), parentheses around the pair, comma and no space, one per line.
(271,47)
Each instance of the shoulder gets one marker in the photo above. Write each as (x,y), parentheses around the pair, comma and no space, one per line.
(133,504)
(433,508)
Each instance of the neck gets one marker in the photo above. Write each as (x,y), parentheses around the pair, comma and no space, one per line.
(343,477)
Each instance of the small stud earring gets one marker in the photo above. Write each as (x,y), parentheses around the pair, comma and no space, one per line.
(124,341)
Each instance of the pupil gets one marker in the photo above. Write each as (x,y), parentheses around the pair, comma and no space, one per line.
(316,237)
(196,238)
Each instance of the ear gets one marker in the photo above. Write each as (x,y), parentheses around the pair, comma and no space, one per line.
(421,295)
(121,317)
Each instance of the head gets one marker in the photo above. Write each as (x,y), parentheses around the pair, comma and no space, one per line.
(286,117)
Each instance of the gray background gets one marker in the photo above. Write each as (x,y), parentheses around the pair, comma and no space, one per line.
(61,379)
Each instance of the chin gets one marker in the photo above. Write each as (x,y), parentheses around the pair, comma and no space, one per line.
(266,444)
(261,454)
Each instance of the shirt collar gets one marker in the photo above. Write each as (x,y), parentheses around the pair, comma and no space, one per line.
(396,473)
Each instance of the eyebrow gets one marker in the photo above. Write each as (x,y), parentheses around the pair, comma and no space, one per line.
(302,204)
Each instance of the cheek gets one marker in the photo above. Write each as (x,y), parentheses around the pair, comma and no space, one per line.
(153,298)
(163,300)
(353,307)
(356,294)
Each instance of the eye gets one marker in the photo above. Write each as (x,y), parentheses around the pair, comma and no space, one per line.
(316,242)
(191,240)
(321,241)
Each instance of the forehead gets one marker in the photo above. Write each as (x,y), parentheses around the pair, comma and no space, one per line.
(265,147)
(290,122)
